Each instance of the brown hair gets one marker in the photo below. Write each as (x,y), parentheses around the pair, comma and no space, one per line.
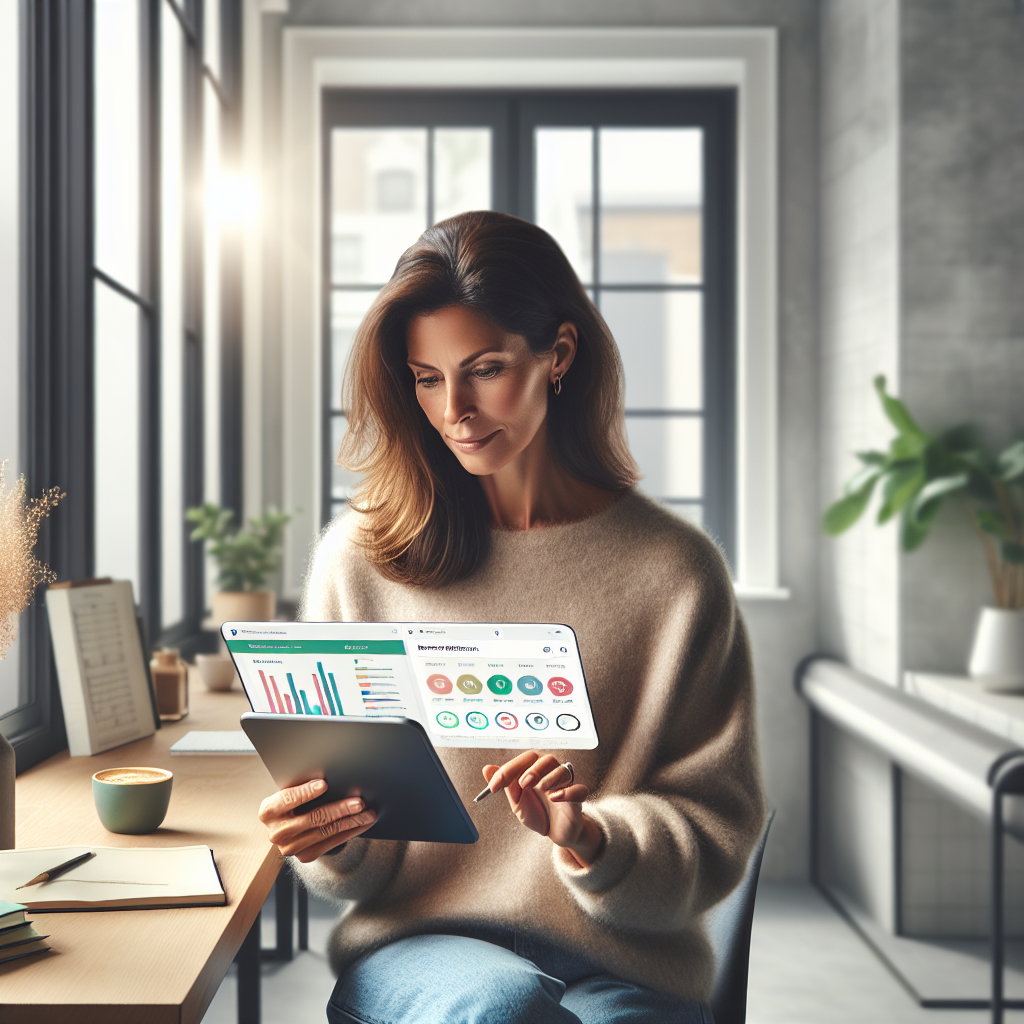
(426,518)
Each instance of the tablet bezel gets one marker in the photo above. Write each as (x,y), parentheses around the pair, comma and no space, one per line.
(390,762)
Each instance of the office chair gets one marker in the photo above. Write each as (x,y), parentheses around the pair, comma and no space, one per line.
(728,928)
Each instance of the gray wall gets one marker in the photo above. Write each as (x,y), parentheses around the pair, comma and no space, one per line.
(781,631)
(962,279)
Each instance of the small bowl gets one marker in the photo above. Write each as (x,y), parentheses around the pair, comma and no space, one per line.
(132,808)
(217,670)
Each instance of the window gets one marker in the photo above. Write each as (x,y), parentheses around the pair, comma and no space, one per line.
(638,189)
(124,343)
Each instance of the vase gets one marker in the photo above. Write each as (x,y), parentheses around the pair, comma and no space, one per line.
(997,656)
(7,772)
(242,606)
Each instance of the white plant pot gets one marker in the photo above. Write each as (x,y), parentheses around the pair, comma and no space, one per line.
(997,657)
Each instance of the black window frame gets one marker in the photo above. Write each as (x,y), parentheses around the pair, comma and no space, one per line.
(513,117)
(57,324)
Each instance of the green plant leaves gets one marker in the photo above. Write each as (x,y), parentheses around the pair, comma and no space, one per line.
(897,412)
(900,487)
(842,514)
(1011,461)
(926,505)
(244,557)
(919,471)
(912,531)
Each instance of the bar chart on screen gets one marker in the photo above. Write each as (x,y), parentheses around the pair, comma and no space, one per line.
(301,696)
(336,685)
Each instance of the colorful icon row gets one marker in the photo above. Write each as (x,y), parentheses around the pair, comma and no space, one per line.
(506,720)
(499,685)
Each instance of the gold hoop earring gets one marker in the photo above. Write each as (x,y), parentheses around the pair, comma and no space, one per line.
(557,383)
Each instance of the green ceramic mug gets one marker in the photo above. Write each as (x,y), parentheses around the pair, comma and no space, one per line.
(132,801)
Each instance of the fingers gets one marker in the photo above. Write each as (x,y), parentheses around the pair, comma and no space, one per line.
(508,774)
(284,830)
(570,795)
(547,774)
(321,846)
(311,844)
(283,802)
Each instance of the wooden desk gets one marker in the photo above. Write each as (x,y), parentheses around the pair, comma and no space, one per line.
(117,967)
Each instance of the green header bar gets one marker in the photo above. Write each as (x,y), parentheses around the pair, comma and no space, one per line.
(288,646)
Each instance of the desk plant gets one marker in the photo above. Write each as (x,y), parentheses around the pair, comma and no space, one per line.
(20,574)
(244,559)
(918,473)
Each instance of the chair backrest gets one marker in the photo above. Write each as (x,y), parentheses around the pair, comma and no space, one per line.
(728,928)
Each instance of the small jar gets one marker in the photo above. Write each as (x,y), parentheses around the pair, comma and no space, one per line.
(170,681)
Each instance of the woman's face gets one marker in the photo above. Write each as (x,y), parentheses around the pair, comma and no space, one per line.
(484,391)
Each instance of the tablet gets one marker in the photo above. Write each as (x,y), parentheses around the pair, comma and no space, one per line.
(469,684)
(389,762)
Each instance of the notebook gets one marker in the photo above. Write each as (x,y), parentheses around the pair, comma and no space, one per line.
(117,878)
(213,741)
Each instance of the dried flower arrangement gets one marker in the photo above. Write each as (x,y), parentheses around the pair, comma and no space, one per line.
(20,571)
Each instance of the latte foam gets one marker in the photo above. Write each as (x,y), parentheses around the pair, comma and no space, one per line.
(133,776)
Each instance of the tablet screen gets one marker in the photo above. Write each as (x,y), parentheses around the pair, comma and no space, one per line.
(467,684)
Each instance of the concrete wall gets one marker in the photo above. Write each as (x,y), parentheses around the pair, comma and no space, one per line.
(781,631)
(962,268)
(859,315)
(961,360)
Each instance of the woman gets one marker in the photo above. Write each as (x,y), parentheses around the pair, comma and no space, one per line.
(485,410)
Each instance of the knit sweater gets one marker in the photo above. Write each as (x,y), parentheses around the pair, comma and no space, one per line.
(675,782)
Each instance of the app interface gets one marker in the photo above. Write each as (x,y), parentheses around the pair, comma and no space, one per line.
(468,685)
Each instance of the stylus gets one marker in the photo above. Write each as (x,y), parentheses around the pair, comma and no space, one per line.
(485,792)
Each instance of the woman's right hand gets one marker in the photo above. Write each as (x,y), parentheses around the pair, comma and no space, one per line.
(308,835)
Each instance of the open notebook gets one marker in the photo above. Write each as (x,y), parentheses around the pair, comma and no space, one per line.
(115,879)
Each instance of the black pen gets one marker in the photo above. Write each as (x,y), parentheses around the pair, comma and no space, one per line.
(46,876)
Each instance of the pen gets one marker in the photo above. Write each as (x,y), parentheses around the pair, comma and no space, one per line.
(485,792)
(58,870)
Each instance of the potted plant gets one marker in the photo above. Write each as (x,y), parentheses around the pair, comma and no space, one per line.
(244,557)
(916,475)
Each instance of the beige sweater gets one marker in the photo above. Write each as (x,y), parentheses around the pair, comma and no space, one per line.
(675,779)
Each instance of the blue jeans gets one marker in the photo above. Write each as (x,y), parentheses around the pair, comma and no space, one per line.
(451,979)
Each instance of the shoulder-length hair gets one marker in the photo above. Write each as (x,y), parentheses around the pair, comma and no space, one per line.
(426,519)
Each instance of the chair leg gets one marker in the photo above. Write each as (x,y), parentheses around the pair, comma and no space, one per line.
(248,960)
(284,900)
(303,917)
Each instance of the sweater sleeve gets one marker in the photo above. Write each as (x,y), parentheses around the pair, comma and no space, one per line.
(682,806)
(360,869)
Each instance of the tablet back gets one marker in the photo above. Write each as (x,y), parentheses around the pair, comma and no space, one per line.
(389,762)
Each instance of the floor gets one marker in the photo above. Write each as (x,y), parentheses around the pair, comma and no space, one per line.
(807,966)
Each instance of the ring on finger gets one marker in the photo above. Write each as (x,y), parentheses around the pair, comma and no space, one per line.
(572,774)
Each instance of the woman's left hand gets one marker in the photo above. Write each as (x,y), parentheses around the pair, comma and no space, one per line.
(535,785)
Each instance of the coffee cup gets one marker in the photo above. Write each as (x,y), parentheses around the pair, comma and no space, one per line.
(132,801)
